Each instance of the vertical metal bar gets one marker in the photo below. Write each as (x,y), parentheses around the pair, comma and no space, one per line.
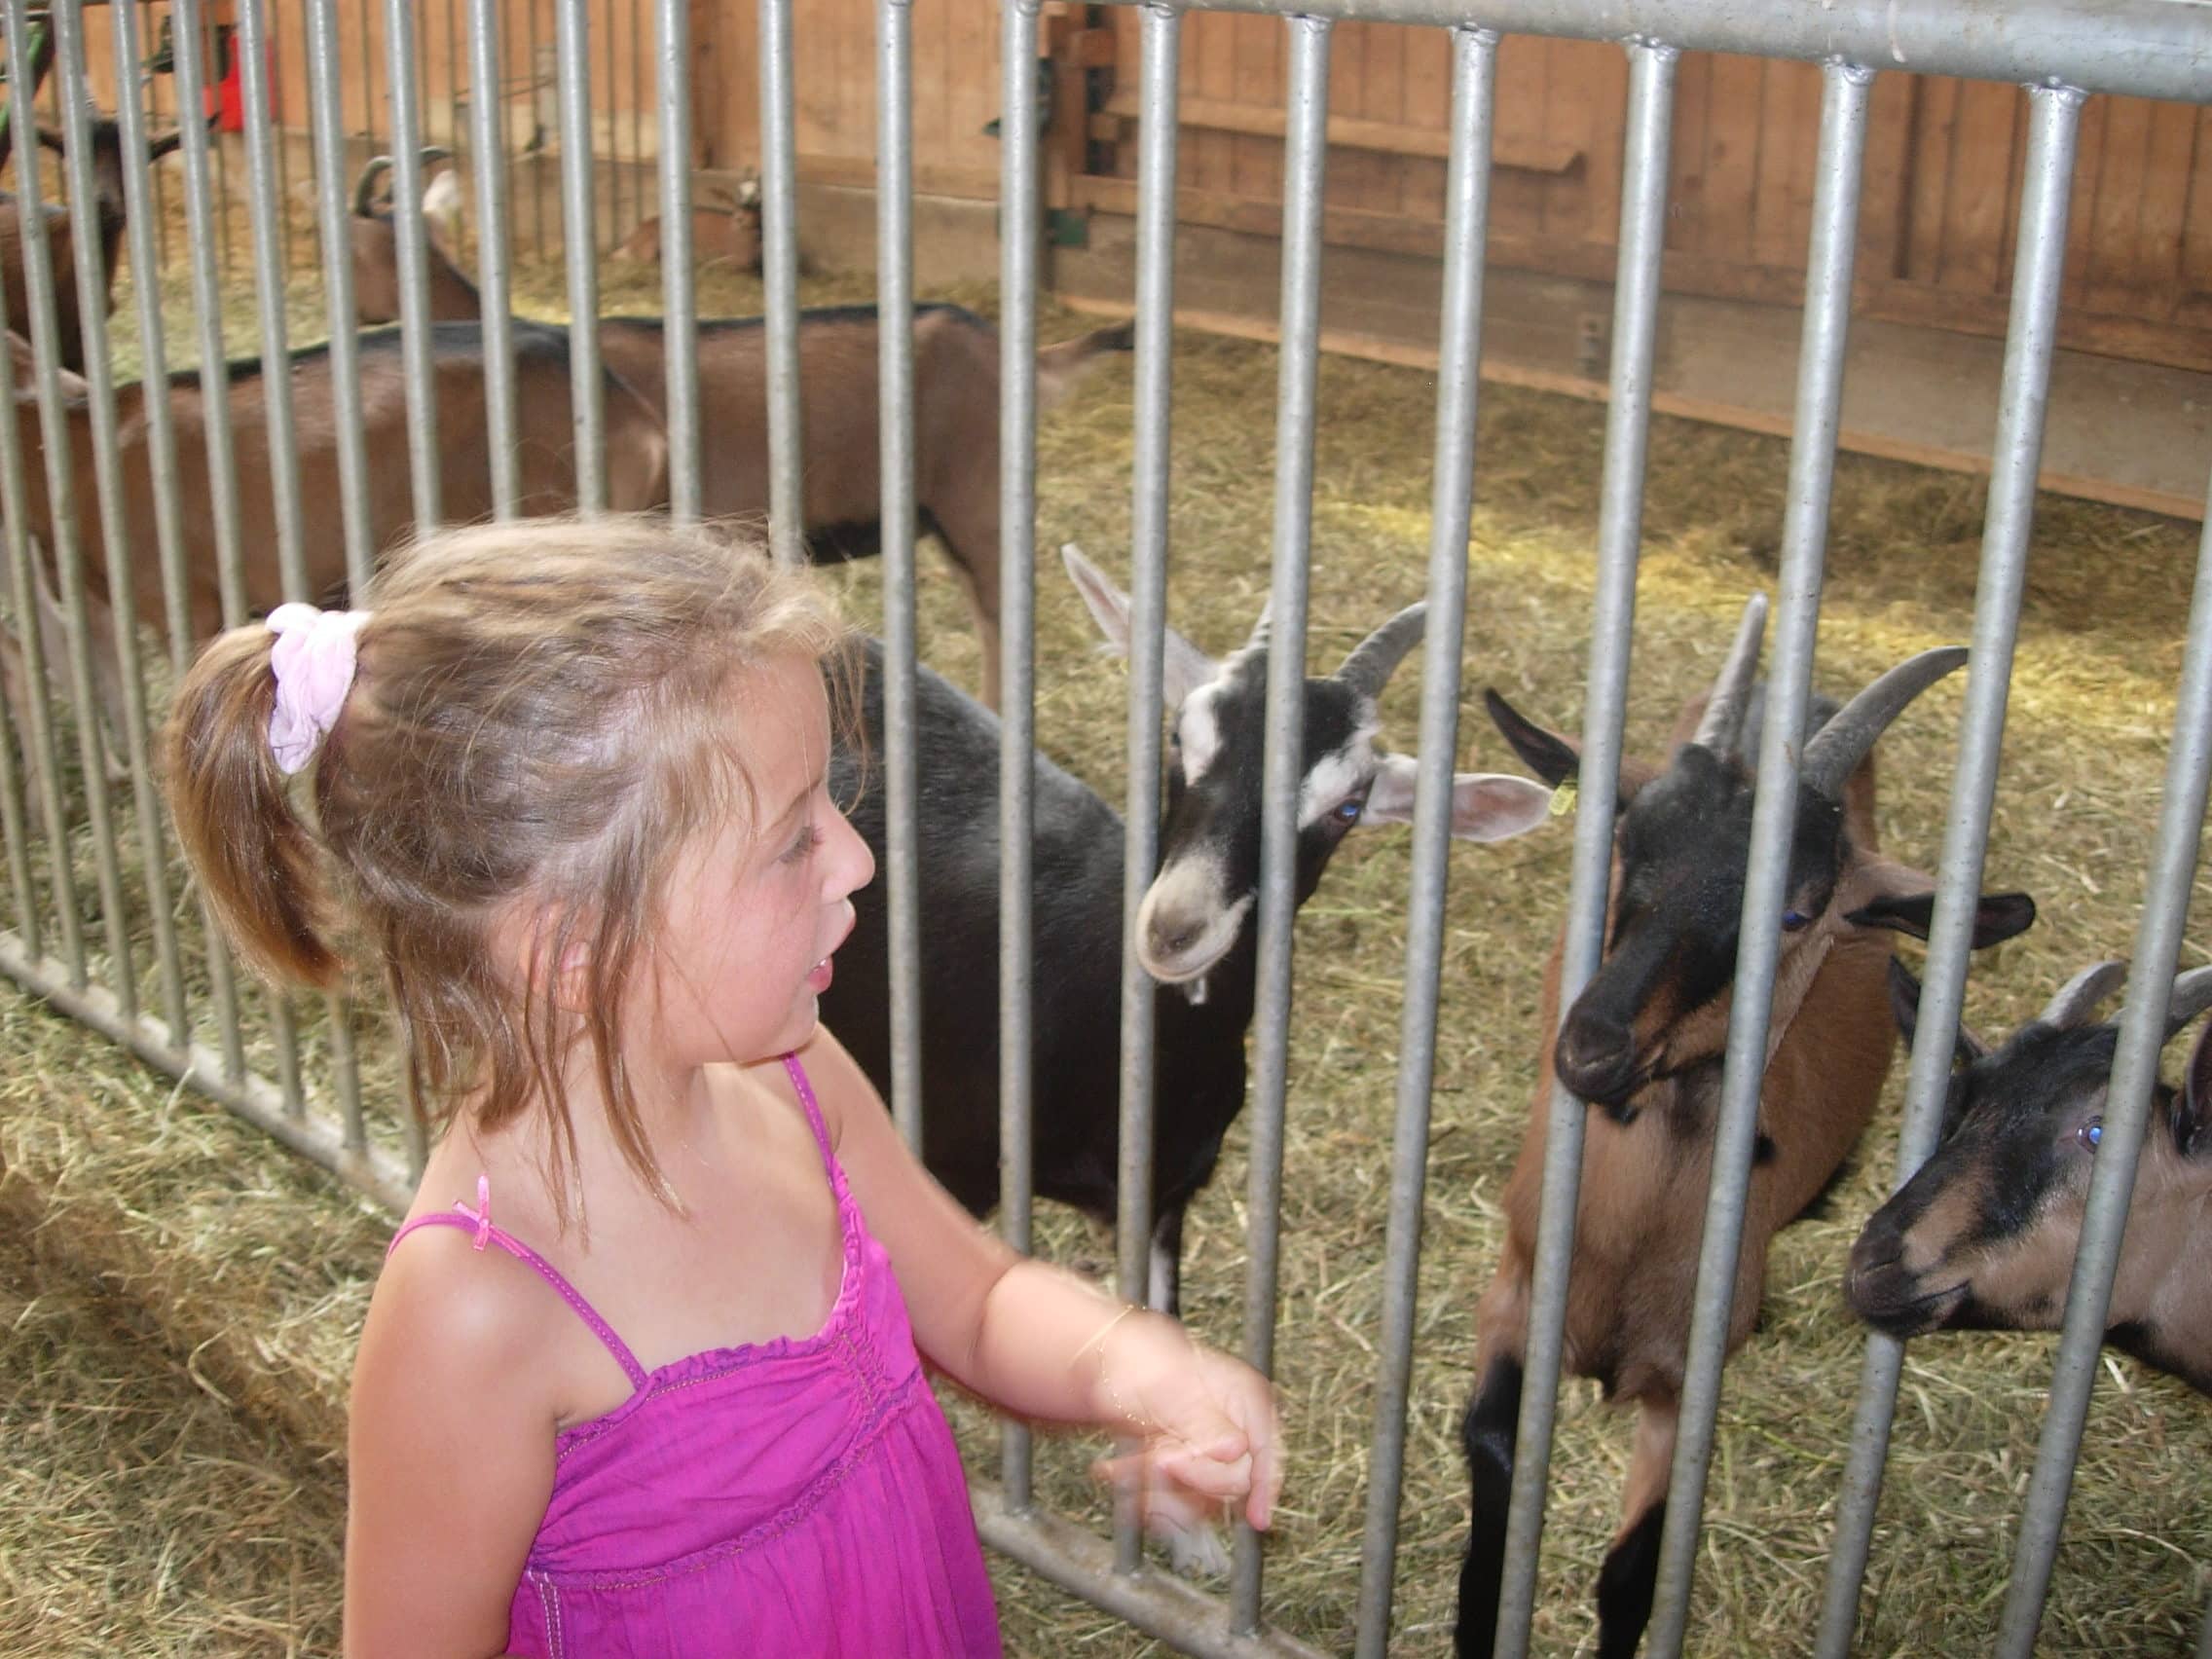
(506,129)
(1620,530)
(1152,392)
(679,283)
(2150,979)
(337,288)
(412,239)
(614,135)
(368,83)
(491,255)
(40,744)
(894,339)
(222,154)
(283,152)
(573,44)
(536,139)
(1467,194)
(779,237)
(14,821)
(148,97)
(1304,155)
(118,556)
(276,397)
(1774,820)
(2039,265)
(1018,226)
(2127,1106)
(454,125)
(222,467)
(60,482)
(637,123)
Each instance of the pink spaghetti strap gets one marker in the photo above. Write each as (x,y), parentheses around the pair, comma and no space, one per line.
(479,1222)
(813,1107)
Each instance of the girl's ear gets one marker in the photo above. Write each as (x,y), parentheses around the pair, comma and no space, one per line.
(552,957)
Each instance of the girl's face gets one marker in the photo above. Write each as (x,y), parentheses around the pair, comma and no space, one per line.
(757,908)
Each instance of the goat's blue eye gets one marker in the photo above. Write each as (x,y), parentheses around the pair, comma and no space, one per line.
(1348,813)
(2092,1132)
(1793,920)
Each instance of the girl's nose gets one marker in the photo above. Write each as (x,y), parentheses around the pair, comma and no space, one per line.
(850,865)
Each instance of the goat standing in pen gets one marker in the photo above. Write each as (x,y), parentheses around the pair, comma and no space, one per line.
(1983,1235)
(956,414)
(62,227)
(1196,931)
(1643,1044)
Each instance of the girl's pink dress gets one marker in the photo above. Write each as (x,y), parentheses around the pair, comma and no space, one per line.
(801,1496)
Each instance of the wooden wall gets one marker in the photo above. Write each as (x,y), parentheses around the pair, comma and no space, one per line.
(1942,175)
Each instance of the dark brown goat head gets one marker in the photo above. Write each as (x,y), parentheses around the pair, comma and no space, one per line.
(1658,1003)
(1983,1235)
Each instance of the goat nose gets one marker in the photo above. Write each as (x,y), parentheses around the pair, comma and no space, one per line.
(1173,936)
(1596,1058)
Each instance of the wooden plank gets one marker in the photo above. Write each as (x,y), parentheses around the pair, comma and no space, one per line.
(1516,198)
(1687,157)
(2164,208)
(1975,254)
(1209,45)
(930,30)
(1789,141)
(2196,226)
(1349,132)
(1858,441)
(1428,109)
(1255,156)
(1604,69)
(931,178)
(2116,246)
(1734,153)
(1885,195)
(1934,123)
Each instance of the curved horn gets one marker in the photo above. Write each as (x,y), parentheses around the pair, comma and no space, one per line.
(376,168)
(2078,999)
(435,153)
(1372,662)
(1722,726)
(2192,995)
(1838,747)
(1261,629)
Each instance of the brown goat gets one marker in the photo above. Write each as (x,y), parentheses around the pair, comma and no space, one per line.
(375,244)
(1983,1235)
(1644,1044)
(637,454)
(723,232)
(62,233)
(956,428)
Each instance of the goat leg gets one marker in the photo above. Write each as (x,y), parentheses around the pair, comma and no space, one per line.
(1631,1574)
(1164,1290)
(1486,1435)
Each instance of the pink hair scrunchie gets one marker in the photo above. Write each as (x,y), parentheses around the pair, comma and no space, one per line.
(313,661)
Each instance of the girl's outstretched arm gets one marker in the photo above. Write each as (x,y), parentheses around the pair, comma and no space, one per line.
(1034,1339)
(450,1447)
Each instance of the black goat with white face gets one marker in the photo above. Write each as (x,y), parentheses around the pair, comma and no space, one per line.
(1196,916)
(1983,1237)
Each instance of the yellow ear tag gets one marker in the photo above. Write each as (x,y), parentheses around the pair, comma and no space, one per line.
(1563,799)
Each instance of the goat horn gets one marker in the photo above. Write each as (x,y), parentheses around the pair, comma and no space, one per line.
(1722,727)
(1372,662)
(2077,998)
(1838,747)
(2192,995)
(1262,628)
(378,167)
(435,153)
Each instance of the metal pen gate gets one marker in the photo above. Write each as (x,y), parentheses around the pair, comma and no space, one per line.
(2154,47)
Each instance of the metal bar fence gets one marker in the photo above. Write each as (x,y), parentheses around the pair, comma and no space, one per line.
(2149,46)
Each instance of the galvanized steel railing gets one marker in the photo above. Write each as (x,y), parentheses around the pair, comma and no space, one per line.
(2156,47)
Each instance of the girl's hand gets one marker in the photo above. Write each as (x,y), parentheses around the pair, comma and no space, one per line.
(1209,1432)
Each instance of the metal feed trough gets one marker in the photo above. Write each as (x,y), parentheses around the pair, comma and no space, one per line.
(2156,47)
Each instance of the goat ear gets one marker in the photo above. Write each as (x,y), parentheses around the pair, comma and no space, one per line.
(1486,806)
(1185,667)
(2196,1092)
(1549,756)
(1904,1008)
(1997,916)
(51,140)
(164,145)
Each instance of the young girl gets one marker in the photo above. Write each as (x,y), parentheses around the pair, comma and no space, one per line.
(640,1374)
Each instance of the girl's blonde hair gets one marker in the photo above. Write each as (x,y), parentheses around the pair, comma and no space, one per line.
(540,712)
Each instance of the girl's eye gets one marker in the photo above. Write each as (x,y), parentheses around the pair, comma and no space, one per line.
(809,838)
(1348,812)
(2090,1133)
(1793,920)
